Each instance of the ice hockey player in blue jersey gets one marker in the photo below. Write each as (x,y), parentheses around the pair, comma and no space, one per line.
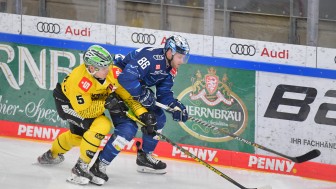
(145,69)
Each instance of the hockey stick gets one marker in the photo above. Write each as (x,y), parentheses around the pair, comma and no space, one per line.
(299,159)
(195,157)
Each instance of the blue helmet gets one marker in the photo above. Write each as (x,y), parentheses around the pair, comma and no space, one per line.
(177,44)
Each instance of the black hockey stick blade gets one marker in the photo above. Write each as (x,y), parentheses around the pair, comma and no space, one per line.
(306,157)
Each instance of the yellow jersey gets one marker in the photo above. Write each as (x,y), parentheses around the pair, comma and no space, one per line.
(87,95)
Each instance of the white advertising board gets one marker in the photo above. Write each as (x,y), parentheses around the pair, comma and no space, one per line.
(326,58)
(261,51)
(10,23)
(67,29)
(241,49)
(140,37)
(296,114)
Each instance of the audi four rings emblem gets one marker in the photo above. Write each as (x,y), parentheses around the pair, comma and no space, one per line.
(143,38)
(48,27)
(240,49)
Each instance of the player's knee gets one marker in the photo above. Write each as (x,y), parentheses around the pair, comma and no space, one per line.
(161,122)
(75,139)
(101,125)
(127,131)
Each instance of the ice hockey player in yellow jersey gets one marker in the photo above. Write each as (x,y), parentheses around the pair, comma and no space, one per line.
(81,99)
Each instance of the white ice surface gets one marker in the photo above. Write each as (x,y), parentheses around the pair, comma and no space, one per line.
(18,170)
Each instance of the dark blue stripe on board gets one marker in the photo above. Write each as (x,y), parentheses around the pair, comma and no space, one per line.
(58,43)
(264,66)
(194,59)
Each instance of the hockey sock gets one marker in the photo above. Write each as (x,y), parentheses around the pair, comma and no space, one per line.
(64,142)
(112,148)
(89,145)
(149,143)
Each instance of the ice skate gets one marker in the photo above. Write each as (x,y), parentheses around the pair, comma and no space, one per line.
(148,164)
(98,173)
(80,173)
(47,159)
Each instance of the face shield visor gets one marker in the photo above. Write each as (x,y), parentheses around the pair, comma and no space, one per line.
(184,52)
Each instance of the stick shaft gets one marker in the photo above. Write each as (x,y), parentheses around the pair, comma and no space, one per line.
(191,155)
(310,155)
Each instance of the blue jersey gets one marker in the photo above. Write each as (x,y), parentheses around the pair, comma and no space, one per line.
(147,66)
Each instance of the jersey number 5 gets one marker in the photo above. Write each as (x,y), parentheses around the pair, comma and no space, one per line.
(143,62)
(80,99)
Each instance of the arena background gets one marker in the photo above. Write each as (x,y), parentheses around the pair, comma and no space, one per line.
(251,76)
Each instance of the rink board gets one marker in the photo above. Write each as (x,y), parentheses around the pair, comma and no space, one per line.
(210,155)
(274,67)
(40,115)
(298,113)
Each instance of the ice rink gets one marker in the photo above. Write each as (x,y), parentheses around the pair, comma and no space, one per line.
(18,169)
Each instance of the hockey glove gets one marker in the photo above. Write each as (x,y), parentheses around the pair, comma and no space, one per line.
(115,105)
(180,113)
(118,58)
(147,98)
(149,119)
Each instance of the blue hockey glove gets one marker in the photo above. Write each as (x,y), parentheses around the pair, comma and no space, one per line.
(147,98)
(180,113)
(118,58)
(149,119)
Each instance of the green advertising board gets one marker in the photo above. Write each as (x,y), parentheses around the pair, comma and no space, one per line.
(222,97)
(28,75)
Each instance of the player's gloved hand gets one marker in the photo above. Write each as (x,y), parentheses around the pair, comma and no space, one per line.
(118,58)
(180,112)
(115,105)
(147,98)
(149,119)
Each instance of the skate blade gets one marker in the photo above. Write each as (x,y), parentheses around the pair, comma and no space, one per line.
(78,180)
(97,181)
(42,162)
(143,169)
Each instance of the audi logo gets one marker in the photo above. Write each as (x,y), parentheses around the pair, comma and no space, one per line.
(48,27)
(247,50)
(143,38)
